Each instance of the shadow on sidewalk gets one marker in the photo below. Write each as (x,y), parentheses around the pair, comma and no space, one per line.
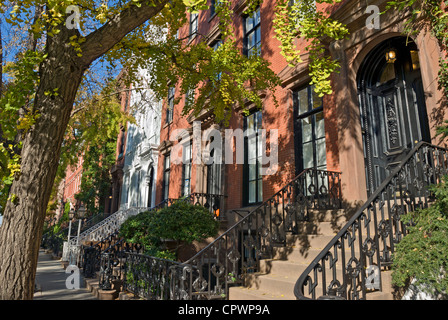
(51,281)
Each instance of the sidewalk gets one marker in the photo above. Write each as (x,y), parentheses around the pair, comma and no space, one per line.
(50,280)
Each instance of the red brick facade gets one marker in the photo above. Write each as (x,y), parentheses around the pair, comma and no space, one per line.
(343,134)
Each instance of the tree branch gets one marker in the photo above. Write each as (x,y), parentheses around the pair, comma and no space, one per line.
(102,40)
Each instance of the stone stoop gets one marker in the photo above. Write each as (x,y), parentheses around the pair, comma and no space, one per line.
(277,276)
(92,285)
(388,290)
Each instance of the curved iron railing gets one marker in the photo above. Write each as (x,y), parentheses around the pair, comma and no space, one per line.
(226,260)
(350,265)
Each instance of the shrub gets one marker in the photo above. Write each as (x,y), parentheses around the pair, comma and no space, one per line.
(422,254)
(181,222)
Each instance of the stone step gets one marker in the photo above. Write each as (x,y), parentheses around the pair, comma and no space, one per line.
(387,288)
(274,284)
(282,267)
(306,242)
(336,216)
(243,293)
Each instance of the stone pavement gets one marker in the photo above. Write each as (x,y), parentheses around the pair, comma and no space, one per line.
(51,281)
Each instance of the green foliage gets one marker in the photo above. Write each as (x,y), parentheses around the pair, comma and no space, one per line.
(182,222)
(302,19)
(422,254)
(16,116)
(223,78)
(431,15)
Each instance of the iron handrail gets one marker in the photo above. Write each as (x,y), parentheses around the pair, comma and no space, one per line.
(352,229)
(254,211)
(210,272)
(220,269)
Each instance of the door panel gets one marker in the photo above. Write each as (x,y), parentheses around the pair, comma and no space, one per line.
(393,111)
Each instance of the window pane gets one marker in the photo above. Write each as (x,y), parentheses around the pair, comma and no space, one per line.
(321,152)
(308,155)
(167,162)
(320,126)
(250,40)
(252,33)
(250,122)
(249,24)
(252,191)
(307,133)
(251,148)
(260,190)
(260,168)
(186,153)
(317,101)
(302,97)
(252,172)
(256,16)
(259,119)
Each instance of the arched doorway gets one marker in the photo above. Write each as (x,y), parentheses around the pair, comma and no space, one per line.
(392,107)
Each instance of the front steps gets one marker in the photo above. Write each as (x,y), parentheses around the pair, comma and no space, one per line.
(277,276)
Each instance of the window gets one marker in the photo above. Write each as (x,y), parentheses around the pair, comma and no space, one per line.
(122,144)
(253,184)
(252,35)
(166,178)
(311,129)
(193,25)
(215,47)
(170,106)
(214,174)
(186,170)
(214,5)
(189,97)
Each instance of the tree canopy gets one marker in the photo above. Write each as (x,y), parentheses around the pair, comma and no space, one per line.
(224,76)
(63,53)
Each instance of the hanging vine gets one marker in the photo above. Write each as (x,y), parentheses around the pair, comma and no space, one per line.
(431,15)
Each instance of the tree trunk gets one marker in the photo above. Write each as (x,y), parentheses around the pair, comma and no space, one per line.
(24,214)
(21,232)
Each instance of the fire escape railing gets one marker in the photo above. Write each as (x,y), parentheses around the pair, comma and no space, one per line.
(350,265)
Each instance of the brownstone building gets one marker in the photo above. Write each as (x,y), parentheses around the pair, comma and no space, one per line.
(379,110)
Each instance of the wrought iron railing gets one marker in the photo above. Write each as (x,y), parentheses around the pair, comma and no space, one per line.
(226,261)
(113,263)
(150,278)
(90,255)
(213,202)
(350,265)
(235,253)
(100,231)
